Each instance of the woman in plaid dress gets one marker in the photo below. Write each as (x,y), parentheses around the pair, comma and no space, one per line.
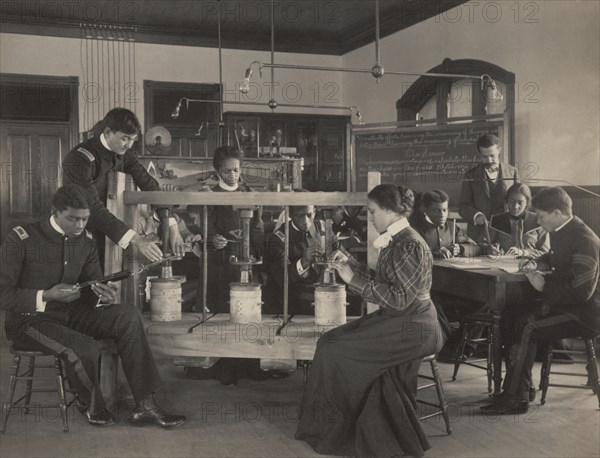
(360,397)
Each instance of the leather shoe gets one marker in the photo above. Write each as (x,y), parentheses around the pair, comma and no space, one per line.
(532,393)
(503,405)
(102,418)
(156,417)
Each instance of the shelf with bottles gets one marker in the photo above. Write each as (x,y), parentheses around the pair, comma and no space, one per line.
(316,139)
(243,132)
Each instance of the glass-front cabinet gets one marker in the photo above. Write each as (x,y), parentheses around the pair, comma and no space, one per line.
(320,141)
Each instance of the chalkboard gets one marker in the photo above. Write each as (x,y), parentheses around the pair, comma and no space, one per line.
(422,158)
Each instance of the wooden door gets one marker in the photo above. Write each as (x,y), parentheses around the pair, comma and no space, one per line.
(30,159)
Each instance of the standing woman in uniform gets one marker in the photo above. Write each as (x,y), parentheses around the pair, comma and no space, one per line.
(360,397)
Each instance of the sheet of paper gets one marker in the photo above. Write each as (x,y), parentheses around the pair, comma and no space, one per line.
(506,263)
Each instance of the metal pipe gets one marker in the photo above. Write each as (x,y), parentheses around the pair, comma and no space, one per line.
(294,105)
(164,214)
(246,239)
(220,139)
(286,260)
(272,88)
(535,180)
(204,261)
(377,54)
(366,70)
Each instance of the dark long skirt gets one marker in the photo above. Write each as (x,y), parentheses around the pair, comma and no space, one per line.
(360,397)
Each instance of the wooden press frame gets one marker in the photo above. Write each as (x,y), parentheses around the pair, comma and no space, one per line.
(130,200)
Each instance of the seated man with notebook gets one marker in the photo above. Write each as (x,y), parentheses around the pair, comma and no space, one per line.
(570,295)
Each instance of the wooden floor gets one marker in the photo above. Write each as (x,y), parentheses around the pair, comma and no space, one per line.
(258,419)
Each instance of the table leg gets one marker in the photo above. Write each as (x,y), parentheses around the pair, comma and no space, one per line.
(497,299)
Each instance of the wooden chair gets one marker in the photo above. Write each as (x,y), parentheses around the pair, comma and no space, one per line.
(467,323)
(591,366)
(24,402)
(109,363)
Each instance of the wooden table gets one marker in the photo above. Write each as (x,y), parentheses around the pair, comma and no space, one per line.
(492,286)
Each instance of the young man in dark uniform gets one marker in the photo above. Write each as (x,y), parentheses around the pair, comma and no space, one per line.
(570,294)
(307,240)
(431,224)
(446,242)
(41,263)
(88,165)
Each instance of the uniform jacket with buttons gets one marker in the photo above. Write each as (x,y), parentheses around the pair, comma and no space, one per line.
(300,286)
(87,165)
(437,237)
(36,257)
(524,233)
(574,260)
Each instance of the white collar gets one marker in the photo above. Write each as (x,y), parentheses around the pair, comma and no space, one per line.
(428,219)
(103,141)
(56,227)
(312,230)
(563,225)
(227,187)
(386,237)
(396,227)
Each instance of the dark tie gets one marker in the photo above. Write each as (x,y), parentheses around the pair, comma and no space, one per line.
(519,234)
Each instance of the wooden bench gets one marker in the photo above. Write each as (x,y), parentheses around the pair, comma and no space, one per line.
(194,342)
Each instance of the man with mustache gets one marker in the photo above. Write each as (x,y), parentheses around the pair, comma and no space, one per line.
(484,187)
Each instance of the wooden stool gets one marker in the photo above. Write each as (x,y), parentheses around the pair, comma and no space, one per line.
(29,377)
(467,323)
(591,366)
(437,383)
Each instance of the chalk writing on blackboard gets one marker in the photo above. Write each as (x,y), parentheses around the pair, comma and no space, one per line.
(422,158)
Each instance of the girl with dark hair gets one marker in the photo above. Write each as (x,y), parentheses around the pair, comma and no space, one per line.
(517,231)
(360,397)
